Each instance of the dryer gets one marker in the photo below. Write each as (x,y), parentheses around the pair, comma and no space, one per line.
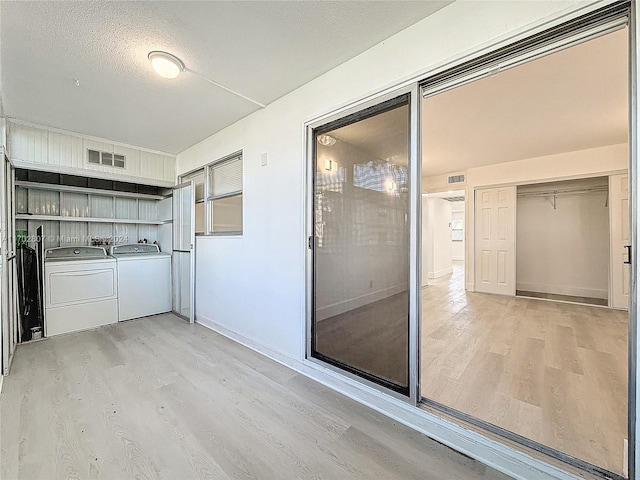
(144,280)
(81,289)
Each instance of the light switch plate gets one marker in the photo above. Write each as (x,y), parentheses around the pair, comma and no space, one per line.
(263,159)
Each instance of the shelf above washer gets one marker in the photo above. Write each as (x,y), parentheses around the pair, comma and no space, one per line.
(59,218)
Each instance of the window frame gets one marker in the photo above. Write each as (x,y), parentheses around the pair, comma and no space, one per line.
(208,197)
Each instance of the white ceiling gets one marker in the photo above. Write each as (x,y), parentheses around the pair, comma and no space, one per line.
(571,100)
(260,49)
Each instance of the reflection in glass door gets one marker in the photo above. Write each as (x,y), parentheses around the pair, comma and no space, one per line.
(361,244)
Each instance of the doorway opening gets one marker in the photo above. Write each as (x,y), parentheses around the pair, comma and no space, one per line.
(537,326)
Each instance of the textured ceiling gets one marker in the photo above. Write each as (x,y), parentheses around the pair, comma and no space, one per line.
(260,49)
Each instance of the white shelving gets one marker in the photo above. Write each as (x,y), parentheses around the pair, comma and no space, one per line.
(59,218)
(76,215)
(92,191)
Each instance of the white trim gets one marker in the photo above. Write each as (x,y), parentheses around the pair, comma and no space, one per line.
(88,137)
(496,455)
(44,167)
(563,290)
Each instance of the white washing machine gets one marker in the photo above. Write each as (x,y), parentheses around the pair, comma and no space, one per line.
(81,289)
(144,280)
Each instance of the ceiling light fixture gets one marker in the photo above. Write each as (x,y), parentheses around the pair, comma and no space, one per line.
(165,64)
(169,66)
(326,140)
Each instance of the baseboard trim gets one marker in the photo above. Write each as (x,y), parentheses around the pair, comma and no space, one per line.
(351,304)
(441,273)
(563,290)
(492,453)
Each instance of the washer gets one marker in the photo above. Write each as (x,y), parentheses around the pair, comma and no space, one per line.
(81,289)
(144,280)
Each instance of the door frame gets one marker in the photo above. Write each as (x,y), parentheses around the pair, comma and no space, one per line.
(8,298)
(561,27)
(191,251)
(581,27)
(415,185)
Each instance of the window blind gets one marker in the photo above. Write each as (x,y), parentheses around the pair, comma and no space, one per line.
(225,178)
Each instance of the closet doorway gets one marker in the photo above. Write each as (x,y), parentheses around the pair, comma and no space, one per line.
(563,232)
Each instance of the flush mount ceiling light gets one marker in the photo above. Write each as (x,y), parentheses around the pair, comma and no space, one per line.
(170,66)
(165,64)
(326,140)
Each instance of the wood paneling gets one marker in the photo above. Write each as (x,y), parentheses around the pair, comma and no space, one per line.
(42,146)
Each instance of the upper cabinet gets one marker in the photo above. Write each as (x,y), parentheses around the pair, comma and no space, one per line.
(52,150)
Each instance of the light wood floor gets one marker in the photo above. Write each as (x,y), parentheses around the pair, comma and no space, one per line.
(549,371)
(159,398)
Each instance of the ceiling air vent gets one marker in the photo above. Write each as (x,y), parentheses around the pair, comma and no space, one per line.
(457,178)
(106,158)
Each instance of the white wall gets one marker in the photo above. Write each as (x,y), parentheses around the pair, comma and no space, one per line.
(563,250)
(49,149)
(3,132)
(437,247)
(266,265)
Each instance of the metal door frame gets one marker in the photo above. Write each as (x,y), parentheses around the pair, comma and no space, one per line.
(415,183)
(191,251)
(579,29)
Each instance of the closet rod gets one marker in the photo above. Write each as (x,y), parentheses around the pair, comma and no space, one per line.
(548,193)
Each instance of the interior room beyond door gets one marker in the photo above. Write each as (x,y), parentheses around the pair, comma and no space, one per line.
(534,346)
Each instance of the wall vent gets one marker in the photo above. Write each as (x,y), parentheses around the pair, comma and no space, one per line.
(457,178)
(106,158)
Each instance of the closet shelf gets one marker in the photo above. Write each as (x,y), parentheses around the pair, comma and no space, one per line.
(90,191)
(59,218)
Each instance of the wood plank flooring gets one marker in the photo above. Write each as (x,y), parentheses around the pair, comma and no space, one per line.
(158,398)
(552,372)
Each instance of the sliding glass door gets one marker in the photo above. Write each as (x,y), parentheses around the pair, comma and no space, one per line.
(361,243)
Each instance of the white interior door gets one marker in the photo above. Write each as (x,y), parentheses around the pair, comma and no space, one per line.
(495,240)
(619,228)
(183,258)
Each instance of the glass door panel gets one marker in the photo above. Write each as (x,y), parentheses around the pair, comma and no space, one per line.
(361,250)
(183,271)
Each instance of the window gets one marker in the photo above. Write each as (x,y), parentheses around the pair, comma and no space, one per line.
(198,183)
(218,192)
(225,195)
